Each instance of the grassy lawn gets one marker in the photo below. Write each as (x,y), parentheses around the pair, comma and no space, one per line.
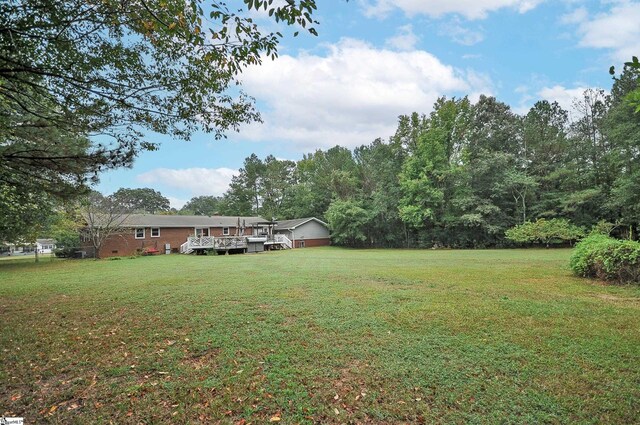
(321,335)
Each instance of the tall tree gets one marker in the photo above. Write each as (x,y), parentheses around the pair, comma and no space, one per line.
(622,127)
(278,177)
(244,194)
(544,160)
(202,205)
(490,155)
(591,159)
(24,216)
(430,175)
(379,165)
(348,222)
(104,217)
(143,200)
(81,82)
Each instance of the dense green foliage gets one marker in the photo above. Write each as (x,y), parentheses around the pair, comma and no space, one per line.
(632,97)
(201,205)
(23,216)
(553,231)
(383,336)
(142,200)
(603,257)
(465,174)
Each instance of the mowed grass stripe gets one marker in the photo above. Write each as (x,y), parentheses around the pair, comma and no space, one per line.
(323,335)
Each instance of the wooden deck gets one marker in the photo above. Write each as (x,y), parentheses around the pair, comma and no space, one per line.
(227,243)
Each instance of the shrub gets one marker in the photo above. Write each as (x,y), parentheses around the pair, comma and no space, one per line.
(554,231)
(602,228)
(66,251)
(606,258)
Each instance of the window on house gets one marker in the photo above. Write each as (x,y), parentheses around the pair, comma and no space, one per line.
(202,231)
(225,231)
(140,233)
(155,232)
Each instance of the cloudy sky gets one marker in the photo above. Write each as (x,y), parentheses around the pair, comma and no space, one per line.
(377,59)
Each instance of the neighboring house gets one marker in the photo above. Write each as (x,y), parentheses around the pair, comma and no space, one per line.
(165,234)
(45,246)
(304,232)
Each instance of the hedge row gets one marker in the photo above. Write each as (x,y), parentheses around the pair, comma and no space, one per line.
(602,257)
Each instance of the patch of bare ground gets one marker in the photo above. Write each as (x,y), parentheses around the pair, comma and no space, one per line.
(203,359)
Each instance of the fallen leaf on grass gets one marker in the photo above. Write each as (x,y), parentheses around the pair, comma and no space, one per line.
(275,419)
(337,412)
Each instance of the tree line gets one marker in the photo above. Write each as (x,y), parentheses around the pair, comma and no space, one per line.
(461,176)
(464,174)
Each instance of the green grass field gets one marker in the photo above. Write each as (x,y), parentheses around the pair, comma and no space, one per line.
(322,335)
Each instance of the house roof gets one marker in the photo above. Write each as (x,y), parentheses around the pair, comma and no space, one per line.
(292,224)
(46,241)
(155,220)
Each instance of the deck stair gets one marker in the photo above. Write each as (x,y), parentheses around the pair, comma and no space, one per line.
(185,249)
(279,242)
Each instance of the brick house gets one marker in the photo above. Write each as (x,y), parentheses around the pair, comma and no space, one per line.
(184,234)
(150,232)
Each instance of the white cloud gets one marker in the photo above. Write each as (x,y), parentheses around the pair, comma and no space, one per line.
(197,181)
(576,17)
(177,203)
(351,96)
(405,39)
(564,96)
(616,30)
(471,9)
(461,34)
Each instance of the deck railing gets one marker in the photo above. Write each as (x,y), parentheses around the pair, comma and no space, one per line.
(213,242)
(280,239)
(227,242)
(201,242)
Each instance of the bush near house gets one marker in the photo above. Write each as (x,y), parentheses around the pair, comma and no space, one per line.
(603,257)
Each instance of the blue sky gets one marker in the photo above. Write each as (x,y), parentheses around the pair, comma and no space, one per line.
(377,59)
